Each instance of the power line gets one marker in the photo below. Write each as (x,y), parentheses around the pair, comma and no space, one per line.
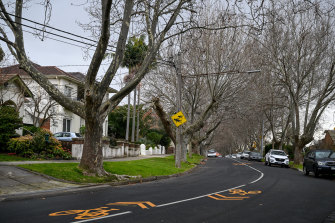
(47,37)
(56,40)
(65,37)
(51,33)
(50,27)
(223,72)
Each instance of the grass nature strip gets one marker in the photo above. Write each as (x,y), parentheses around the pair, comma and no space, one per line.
(145,167)
(7,158)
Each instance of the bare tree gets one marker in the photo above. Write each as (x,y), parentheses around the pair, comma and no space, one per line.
(156,18)
(41,107)
(208,84)
(299,40)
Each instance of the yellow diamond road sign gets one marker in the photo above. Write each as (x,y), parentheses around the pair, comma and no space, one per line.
(178,118)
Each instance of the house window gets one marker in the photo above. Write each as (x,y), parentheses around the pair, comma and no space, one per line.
(68,91)
(66,125)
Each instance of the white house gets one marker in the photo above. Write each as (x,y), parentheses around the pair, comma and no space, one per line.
(41,109)
(14,92)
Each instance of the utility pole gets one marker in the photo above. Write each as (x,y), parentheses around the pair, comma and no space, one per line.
(138,114)
(178,130)
(262,139)
(128,117)
(134,118)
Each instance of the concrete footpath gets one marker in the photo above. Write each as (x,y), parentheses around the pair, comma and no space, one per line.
(18,183)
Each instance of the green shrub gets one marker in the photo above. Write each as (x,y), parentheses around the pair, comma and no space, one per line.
(289,150)
(37,147)
(29,129)
(155,137)
(165,141)
(9,122)
(82,130)
(22,146)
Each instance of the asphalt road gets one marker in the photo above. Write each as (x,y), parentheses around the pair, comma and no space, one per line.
(223,190)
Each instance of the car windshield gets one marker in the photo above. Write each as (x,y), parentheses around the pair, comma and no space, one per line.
(211,151)
(332,155)
(58,134)
(322,154)
(78,135)
(280,153)
(246,152)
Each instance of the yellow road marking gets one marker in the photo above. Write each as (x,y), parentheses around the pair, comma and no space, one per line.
(242,192)
(86,214)
(241,164)
(220,197)
(139,203)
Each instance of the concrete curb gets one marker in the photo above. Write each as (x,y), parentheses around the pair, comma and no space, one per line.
(83,187)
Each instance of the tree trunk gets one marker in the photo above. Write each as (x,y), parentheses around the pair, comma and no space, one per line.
(92,159)
(297,154)
(190,149)
(183,149)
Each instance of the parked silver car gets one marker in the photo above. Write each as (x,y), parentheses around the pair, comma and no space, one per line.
(255,156)
(67,136)
(245,154)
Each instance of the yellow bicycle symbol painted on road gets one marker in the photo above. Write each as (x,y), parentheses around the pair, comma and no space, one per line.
(86,214)
(242,192)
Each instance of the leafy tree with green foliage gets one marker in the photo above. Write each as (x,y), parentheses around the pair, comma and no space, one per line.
(135,52)
(117,120)
(157,137)
(9,122)
(165,140)
(154,137)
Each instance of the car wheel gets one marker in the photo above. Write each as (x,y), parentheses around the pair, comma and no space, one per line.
(316,172)
(306,172)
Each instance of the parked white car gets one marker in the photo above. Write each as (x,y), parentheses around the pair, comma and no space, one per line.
(276,157)
(238,155)
(212,153)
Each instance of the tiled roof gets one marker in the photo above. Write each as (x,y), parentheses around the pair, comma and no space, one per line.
(6,78)
(47,70)
(78,75)
(15,78)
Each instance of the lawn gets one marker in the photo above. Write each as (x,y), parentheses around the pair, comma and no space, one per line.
(297,166)
(145,168)
(4,157)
